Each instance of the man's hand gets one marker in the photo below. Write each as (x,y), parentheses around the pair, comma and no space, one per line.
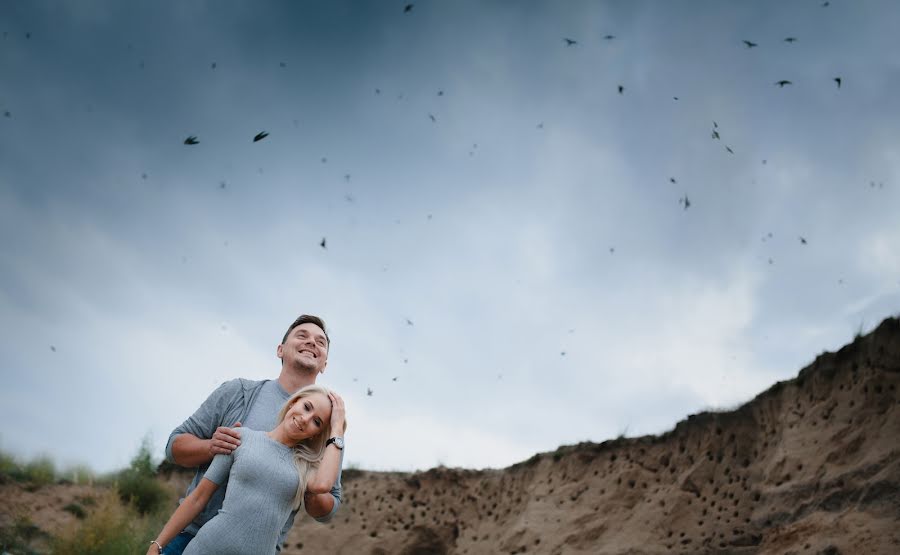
(225,440)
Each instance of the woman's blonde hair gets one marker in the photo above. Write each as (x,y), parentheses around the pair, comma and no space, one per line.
(310,451)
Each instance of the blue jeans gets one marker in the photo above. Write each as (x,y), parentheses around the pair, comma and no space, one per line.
(178,544)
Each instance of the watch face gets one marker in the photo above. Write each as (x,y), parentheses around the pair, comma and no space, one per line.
(339,442)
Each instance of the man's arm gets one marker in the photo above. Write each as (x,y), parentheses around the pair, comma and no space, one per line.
(199,438)
(189,450)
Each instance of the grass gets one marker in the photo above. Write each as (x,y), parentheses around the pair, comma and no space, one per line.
(110,528)
(76,510)
(138,485)
(18,537)
(39,471)
(130,506)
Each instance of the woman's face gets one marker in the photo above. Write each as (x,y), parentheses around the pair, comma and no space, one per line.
(307,417)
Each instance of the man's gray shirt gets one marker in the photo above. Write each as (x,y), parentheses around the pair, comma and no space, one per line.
(254,404)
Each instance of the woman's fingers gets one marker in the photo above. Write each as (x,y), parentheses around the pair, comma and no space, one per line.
(337,410)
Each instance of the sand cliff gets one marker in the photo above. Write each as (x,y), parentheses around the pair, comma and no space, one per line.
(812,465)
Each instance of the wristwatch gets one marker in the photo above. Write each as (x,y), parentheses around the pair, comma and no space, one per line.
(337,441)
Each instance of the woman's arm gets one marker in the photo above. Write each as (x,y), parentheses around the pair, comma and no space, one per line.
(185,513)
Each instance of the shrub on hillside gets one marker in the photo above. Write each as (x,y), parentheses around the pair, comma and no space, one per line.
(111,528)
(138,485)
(40,471)
(18,536)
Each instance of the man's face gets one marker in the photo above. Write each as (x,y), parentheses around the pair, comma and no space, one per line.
(306,348)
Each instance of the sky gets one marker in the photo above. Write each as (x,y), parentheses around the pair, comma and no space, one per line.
(517,241)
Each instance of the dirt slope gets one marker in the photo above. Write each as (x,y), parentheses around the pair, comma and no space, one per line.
(812,465)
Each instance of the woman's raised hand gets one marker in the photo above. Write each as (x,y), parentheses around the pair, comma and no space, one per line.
(338,414)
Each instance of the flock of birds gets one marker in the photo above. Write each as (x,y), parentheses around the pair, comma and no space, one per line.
(684,201)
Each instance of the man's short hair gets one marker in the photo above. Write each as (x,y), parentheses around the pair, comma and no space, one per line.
(308,319)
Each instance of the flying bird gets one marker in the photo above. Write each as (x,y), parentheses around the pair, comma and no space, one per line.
(621,89)
(282,64)
(783,82)
(52,348)
(7,114)
(609,37)
(394,379)
(570,42)
(672,180)
(369,391)
(406,9)
(790,39)
(260,136)
(192,140)
(728,148)
(440,93)
(715,135)
(431,117)
(750,44)
(377,91)
(802,240)
(212,65)
(685,201)
(409,322)
(838,81)
(322,243)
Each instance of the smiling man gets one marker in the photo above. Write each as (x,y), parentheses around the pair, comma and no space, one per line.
(215,427)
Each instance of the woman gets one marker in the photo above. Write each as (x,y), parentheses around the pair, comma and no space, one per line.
(267,476)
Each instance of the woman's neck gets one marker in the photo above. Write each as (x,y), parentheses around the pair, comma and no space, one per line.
(279,435)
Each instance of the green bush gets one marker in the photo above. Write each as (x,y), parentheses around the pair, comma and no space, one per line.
(138,484)
(9,468)
(40,471)
(79,474)
(110,529)
(76,510)
(17,537)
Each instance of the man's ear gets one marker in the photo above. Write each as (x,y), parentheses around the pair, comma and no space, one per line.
(280,350)
(322,371)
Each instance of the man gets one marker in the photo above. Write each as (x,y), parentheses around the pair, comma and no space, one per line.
(214,428)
